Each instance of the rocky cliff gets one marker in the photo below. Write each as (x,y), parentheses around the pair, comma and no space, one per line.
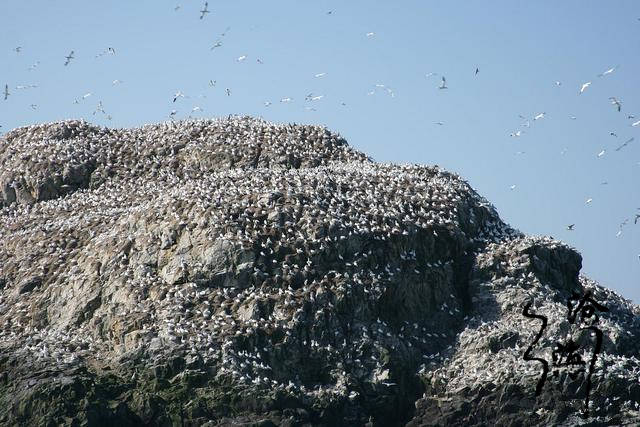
(242,272)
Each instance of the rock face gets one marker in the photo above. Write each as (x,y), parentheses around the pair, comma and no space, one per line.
(242,272)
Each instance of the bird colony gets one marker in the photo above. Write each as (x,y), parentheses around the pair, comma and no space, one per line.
(237,270)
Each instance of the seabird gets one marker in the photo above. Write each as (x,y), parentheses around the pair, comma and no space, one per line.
(570,227)
(218,43)
(539,116)
(68,58)
(205,10)
(600,154)
(370,34)
(609,71)
(177,95)
(615,102)
(320,75)
(585,86)
(634,124)
(625,144)
(241,58)
(477,71)
(287,99)
(443,84)
(6,92)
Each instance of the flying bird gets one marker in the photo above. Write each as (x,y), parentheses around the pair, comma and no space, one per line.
(516,134)
(625,144)
(6,92)
(443,84)
(320,75)
(634,124)
(609,71)
(635,221)
(218,43)
(477,71)
(600,154)
(570,227)
(68,58)
(18,49)
(558,83)
(614,101)
(585,86)
(241,58)
(177,95)
(370,34)
(539,116)
(205,10)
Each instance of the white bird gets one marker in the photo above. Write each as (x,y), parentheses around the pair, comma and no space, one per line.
(512,187)
(634,124)
(267,103)
(241,58)
(589,200)
(573,117)
(443,83)
(558,83)
(609,71)
(68,58)
(115,82)
(6,92)
(370,34)
(539,116)
(205,10)
(600,154)
(585,86)
(320,75)
(178,95)
(196,108)
(516,134)
(218,43)
(614,101)
(286,99)
(86,95)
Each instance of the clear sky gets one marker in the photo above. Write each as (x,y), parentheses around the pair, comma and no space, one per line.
(520,48)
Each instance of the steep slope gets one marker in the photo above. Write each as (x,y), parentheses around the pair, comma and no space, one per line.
(239,271)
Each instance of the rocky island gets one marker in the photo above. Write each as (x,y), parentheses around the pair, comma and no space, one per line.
(241,272)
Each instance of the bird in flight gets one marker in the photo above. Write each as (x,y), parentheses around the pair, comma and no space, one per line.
(68,58)
(585,86)
(320,75)
(635,221)
(600,154)
(218,43)
(18,49)
(625,144)
(516,134)
(477,71)
(370,34)
(241,58)
(609,71)
(205,10)
(443,84)
(570,227)
(614,101)
(634,124)
(539,116)
(6,92)
(177,95)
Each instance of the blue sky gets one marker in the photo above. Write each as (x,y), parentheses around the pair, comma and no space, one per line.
(521,49)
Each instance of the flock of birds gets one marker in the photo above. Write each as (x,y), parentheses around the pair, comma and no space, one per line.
(296,199)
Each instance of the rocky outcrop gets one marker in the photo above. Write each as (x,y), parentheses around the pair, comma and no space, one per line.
(241,272)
